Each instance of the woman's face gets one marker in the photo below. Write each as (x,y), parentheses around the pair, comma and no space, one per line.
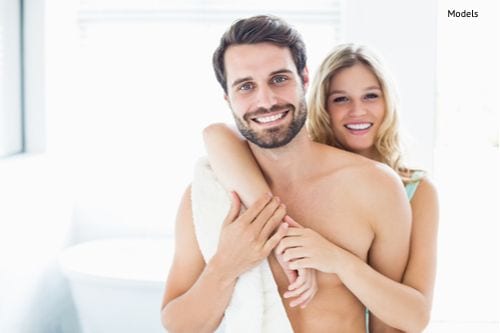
(357,107)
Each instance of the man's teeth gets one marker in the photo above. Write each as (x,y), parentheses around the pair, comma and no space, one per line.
(269,119)
(359,127)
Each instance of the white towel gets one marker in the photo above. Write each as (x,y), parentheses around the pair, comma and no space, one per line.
(255,305)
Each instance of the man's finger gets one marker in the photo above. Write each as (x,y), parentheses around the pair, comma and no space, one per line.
(234,211)
(274,240)
(254,210)
(269,223)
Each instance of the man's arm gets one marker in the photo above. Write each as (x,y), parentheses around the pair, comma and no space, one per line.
(196,293)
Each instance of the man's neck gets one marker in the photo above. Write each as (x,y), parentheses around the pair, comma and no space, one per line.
(283,166)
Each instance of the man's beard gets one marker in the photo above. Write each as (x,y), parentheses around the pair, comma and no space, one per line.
(273,137)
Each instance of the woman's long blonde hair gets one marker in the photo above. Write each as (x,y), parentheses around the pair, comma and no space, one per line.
(387,140)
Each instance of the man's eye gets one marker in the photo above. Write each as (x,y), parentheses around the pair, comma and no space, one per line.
(279,79)
(246,86)
(340,99)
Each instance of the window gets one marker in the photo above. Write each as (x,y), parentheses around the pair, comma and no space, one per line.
(11,120)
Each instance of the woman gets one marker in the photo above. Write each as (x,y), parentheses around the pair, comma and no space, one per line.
(352,106)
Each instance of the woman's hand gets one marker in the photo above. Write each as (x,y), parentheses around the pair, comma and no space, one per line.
(303,288)
(304,248)
(303,283)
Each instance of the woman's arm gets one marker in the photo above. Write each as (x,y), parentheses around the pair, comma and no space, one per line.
(405,306)
(410,303)
(233,163)
(236,168)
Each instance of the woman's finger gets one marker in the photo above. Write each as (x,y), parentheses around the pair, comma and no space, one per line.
(294,253)
(301,279)
(291,222)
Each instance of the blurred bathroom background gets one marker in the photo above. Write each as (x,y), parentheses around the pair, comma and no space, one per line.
(102,103)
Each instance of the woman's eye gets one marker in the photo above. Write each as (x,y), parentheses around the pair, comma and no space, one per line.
(371,96)
(340,99)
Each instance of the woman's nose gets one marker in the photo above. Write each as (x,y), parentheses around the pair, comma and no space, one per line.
(357,109)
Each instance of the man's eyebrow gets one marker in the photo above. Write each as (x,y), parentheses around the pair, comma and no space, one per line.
(281,71)
(249,78)
(238,81)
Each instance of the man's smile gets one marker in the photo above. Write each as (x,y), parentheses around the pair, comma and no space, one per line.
(269,118)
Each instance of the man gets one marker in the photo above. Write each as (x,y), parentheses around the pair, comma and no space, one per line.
(260,64)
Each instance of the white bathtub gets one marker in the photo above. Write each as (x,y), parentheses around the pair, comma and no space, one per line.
(117,284)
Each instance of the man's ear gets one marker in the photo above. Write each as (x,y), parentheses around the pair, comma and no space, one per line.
(226,98)
(305,77)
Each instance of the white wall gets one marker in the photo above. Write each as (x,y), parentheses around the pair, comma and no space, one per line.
(467,164)
(404,34)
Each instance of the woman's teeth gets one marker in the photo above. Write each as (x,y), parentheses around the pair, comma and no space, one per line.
(359,127)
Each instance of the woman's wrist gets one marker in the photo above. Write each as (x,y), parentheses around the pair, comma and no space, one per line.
(344,261)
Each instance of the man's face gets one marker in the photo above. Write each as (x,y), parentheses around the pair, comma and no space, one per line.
(265,93)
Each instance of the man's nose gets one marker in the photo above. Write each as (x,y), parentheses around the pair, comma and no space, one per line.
(265,97)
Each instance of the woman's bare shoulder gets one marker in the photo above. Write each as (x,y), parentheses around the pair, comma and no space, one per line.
(426,196)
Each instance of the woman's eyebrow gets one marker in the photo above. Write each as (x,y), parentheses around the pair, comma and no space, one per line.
(336,92)
(373,88)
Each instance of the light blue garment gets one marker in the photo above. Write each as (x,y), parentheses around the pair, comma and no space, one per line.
(410,189)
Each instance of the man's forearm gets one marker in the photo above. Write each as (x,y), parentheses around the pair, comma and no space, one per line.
(202,307)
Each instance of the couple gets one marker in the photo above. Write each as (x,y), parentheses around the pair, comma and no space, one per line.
(348,250)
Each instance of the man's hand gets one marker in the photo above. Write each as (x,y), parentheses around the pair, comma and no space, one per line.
(303,282)
(248,239)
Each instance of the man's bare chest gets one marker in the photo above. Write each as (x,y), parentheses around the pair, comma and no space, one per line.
(333,218)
